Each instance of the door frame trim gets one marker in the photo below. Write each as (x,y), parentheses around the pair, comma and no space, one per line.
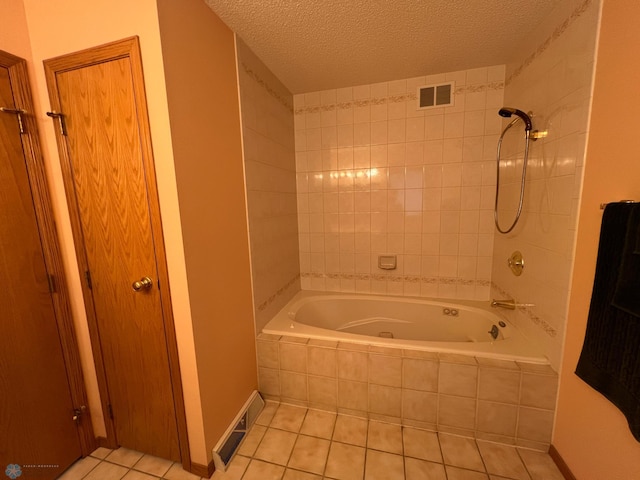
(125,48)
(34,162)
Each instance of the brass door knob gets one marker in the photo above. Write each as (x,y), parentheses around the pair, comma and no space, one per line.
(144,283)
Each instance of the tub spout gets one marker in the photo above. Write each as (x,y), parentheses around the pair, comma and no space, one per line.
(508,304)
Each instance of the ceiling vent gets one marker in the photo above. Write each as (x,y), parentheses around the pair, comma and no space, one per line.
(435,96)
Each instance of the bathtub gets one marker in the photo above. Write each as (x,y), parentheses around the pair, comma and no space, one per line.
(460,327)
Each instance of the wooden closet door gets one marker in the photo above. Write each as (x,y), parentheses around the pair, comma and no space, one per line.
(107,185)
(36,408)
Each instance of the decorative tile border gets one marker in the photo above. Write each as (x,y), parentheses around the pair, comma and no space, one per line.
(398,278)
(483,87)
(256,78)
(557,33)
(528,312)
(278,293)
(393,99)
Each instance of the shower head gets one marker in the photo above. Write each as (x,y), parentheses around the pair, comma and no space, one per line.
(507,112)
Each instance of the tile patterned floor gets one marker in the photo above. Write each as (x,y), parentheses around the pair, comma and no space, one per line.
(125,464)
(294,443)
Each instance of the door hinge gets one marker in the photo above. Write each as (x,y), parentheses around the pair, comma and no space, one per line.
(60,117)
(19,113)
(52,283)
(110,411)
(87,276)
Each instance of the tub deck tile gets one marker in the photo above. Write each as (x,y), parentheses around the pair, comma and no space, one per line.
(323,343)
(394,352)
(268,337)
(463,394)
(493,362)
(323,391)
(420,374)
(267,353)
(536,368)
(322,361)
(356,347)
(420,354)
(456,358)
(288,339)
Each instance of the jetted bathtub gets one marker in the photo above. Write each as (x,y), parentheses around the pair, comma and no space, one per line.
(458,327)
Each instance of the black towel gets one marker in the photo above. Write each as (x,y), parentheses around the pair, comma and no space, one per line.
(627,294)
(610,358)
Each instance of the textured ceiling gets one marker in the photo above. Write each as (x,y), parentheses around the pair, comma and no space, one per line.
(315,45)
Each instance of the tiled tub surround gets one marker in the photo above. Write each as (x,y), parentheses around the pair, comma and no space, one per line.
(376,176)
(553,79)
(504,401)
(269,158)
(405,323)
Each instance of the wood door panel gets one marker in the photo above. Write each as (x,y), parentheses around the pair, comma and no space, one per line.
(35,404)
(109,182)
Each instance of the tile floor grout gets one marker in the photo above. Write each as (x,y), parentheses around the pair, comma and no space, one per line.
(367,447)
(291,420)
(139,473)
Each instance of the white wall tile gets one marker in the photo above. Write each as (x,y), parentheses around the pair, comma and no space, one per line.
(380,176)
(560,104)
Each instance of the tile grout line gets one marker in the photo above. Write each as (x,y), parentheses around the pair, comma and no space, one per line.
(330,440)
(333,431)
(286,467)
(519,409)
(297,437)
(306,379)
(484,464)
(524,463)
(366,438)
(444,464)
(442,453)
(252,457)
(404,469)
(94,467)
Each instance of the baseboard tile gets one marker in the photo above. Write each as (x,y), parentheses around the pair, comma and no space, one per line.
(105,443)
(561,464)
(203,470)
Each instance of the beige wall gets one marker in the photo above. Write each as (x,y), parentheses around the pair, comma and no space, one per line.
(208,172)
(14,36)
(378,176)
(551,76)
(591,434)
(202,91)
(270,172)
(57,28)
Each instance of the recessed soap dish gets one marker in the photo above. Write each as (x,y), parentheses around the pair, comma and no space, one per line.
(387,262)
